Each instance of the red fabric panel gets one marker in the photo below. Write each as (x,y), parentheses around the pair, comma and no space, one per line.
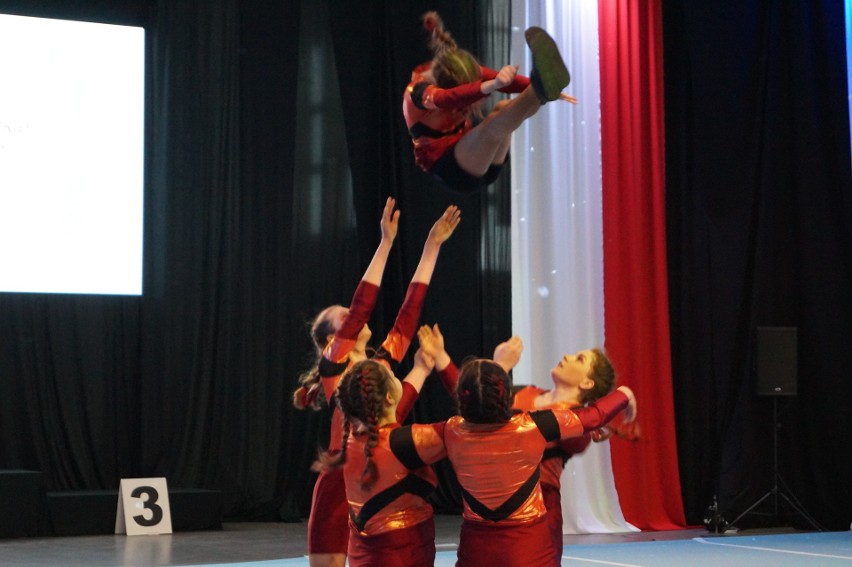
(635,293)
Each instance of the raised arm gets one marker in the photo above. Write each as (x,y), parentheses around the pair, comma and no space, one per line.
(508,353)
(413,383)
(365,296)
(432,342)
(440,232)
(335,356)
(389,225)
(396,344)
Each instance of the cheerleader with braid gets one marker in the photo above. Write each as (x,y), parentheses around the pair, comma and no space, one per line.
(578,379)
(496,454)
(386,472)
(495,450)
(445,95)
(327,524)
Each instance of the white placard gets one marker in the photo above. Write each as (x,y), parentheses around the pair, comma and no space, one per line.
(143,507)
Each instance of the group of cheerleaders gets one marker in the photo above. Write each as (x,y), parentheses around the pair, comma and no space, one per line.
(507,445)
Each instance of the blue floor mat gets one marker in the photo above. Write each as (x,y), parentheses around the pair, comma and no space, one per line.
(788,550)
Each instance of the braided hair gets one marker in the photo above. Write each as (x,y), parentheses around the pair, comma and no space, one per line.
(484,392)
(451,65)
(360,396)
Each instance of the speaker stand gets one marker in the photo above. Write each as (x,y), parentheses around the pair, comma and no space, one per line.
(779,488)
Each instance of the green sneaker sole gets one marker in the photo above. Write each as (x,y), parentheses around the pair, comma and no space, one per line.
(552,73)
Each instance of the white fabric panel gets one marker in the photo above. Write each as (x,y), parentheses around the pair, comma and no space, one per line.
(557,239)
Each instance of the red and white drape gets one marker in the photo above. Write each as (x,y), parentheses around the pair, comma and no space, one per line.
(588,245)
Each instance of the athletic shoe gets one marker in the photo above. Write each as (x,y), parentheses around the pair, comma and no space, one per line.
(549,75)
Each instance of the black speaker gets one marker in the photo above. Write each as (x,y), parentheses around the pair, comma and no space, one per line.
(777,361)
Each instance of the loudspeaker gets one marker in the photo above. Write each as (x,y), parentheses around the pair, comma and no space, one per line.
(777,361)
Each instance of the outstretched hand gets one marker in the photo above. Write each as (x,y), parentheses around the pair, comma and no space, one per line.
(444,226)
(630,432)
(431,340)
(632,409)
(508,353)
(390,220)
(432,343)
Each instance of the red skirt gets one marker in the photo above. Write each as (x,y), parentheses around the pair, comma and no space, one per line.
(494,545)
(328,524)
(408,547)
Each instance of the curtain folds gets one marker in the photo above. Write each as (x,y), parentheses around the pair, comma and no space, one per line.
(759,197)
(635,276)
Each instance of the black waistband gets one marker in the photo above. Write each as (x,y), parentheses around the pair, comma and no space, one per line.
(419,129)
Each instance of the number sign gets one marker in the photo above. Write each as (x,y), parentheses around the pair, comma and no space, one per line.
(143,507)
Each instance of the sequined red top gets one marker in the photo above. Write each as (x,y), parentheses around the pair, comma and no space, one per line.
(497,465)
(398,498)
(559,451)
(437,118)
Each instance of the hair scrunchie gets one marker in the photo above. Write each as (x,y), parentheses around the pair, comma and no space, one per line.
(431,20)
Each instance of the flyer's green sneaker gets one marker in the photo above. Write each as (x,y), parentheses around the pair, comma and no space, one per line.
(549,74)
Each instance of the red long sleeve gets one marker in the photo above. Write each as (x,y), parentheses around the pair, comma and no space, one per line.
(449,377)
(363,302)
(409,396)
(461,96)
(599,413)
(398,340)
(517,85)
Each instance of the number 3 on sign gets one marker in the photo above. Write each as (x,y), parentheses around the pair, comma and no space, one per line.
(143,507)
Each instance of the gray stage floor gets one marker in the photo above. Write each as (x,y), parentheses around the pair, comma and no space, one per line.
(244,542)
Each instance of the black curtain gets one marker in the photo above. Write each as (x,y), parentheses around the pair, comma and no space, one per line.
(759,198)
(274,136)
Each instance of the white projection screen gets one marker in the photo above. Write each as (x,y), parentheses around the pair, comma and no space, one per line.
(72,103)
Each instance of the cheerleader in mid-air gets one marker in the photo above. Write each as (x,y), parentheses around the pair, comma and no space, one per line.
(443,101)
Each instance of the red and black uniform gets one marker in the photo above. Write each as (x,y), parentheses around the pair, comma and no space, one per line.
(438,118)
(327,524)
(498,468)
(555,457)
(391,523)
